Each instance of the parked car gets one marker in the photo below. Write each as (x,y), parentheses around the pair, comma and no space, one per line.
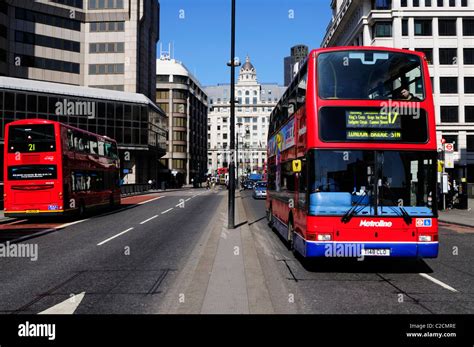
(260,190)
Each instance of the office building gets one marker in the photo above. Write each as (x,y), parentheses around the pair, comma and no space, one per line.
(109,44)
(182,97)
(298,54)
(255,101)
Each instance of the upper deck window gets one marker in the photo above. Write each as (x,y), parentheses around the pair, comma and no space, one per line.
(369,75)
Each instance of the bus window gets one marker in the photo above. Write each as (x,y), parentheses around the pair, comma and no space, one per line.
(70,139)
(85,141)
(31,138)
(93,145)
(101,148)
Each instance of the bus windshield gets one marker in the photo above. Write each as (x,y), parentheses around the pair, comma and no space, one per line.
(341,179)
(365,75)
(31,138)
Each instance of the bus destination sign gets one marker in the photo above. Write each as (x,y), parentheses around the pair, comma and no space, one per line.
(373,120)
(373,125)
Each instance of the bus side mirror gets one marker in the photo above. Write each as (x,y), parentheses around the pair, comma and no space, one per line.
(296,165)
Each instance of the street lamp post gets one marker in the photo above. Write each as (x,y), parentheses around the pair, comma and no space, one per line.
(239,124)
(231,202)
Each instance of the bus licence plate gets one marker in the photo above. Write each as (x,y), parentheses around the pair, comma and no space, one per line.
(376,252)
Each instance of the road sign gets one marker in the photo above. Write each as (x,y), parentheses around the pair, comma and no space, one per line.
(449,147)
(449,160)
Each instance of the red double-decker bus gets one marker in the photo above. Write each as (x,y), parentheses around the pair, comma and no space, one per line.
(352,161)
(55,169)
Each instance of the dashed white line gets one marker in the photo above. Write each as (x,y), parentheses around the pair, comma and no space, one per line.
(113,237)
(147,201)
(438,282)
(69,224)
(187,199)
(149,219)
(166,211)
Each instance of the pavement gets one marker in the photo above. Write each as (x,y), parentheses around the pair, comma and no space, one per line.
(459,217)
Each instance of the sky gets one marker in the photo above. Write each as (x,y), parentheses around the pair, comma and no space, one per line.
(199,31)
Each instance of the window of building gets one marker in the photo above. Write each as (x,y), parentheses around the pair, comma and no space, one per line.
(447,27)
(47,41)
(382,29)
(469,85)
(452,3)
(416,3)
(106,27)
(106,69)
(427,3)
(383,4)
(403,3)
(162,94)
(106,47)
(469,114)
(470,143)
(448,85)
(179,148)
(47,19)
(448,56)
(178,164)
(179,122)
(105,4)
(449,114)
(469,56)
(72,3)
(48,64)
(440,3)
(468,26)
(405,27)
(428,53)
(464,3)
(423,27)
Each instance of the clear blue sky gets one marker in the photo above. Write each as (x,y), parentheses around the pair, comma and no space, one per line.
(264,31)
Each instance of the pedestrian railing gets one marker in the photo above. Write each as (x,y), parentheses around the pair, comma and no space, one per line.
(132,189)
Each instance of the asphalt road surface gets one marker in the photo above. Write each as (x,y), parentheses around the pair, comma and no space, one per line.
(115,262)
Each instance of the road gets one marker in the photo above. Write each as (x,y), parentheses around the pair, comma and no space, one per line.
(142,257)
(442,285)
(123,261)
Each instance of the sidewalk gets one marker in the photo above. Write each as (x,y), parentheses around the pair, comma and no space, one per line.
(227,277)
(460,217)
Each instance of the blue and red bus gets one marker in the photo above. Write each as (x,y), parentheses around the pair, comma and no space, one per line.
(55,169)
(352,156)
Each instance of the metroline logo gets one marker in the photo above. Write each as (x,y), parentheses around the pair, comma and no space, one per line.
(371,223)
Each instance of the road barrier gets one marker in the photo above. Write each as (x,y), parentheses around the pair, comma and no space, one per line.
(131,189)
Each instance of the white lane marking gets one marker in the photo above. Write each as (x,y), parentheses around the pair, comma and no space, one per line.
(113,237)
(69,224)
(149,219)
(187,199)
(438,282)
(166,211)
(68,306)
(180,205)
(147,201)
